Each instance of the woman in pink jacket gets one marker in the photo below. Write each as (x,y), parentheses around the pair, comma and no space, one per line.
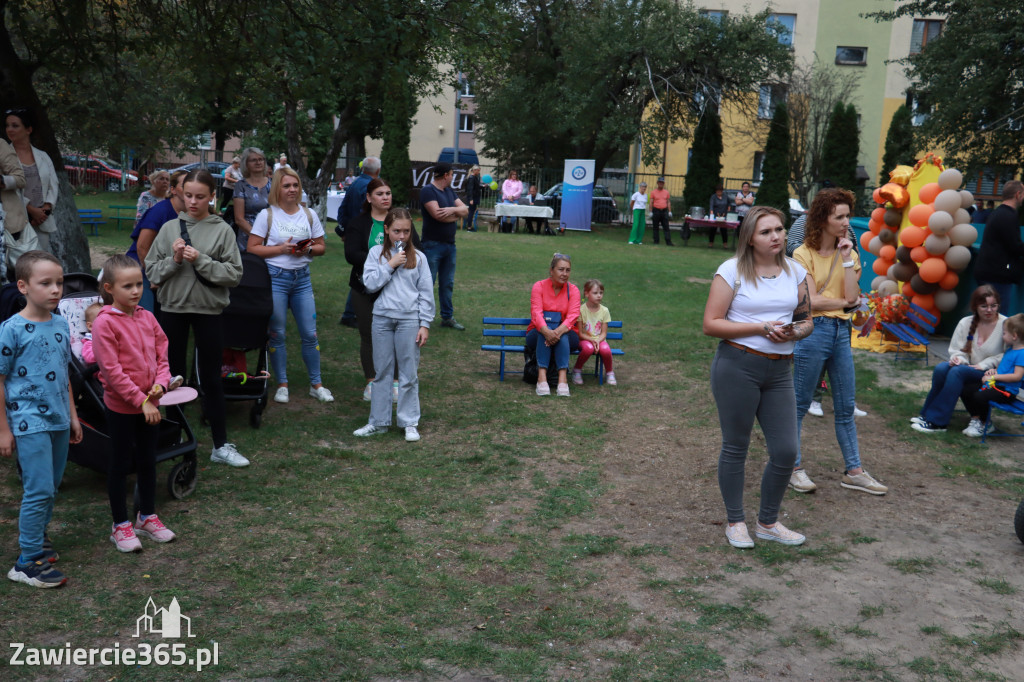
(511,190)
(131,350)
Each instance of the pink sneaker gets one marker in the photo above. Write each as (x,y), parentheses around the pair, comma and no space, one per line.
(123,537)
(153,529)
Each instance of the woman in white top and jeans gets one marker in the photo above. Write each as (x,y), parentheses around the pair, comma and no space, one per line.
(294,237)
(759,305)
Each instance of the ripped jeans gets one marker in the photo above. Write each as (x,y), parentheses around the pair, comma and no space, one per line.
(293,289)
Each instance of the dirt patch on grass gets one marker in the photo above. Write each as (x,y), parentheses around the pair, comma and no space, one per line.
(98,254)
(899,583)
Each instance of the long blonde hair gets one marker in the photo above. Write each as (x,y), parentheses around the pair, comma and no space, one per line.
(745,268)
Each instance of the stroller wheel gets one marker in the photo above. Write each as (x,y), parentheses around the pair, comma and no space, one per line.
(1018,522)
(181,482)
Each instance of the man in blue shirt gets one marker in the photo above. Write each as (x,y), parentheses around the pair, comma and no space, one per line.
(350,207)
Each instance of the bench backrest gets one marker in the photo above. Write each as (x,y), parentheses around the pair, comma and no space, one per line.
(518,328)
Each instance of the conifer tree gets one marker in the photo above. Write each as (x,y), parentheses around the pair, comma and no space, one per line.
(774,189)
(705,168)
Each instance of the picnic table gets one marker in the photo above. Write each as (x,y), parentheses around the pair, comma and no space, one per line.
(130,218)
(711,224)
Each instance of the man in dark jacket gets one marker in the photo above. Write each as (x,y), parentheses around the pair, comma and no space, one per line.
(1001,256)
(350,207)
(474,191)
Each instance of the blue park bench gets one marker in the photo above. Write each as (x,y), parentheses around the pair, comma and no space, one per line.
(515,328)
(919,325)
(93,217)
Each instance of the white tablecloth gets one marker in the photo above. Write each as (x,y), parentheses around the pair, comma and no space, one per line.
(522,211)
(334,198)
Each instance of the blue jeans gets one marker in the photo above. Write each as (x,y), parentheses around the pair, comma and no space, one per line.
(42,457)
(949,383)
(441,259)
(828,347)
(293,289)
(569,342)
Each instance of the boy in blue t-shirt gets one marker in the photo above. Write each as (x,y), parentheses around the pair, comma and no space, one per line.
(41,419)
(1001,385)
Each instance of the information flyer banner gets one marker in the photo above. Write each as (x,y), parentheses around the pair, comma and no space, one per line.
(577,194)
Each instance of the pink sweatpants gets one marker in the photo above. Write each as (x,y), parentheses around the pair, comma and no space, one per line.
(587,349)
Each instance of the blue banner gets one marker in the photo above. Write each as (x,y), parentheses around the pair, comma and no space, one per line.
(577,194)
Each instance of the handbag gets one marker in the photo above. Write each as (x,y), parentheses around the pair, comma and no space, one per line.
(20,243)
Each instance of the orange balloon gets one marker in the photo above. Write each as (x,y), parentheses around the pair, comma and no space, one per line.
(865,240)
(878,215)
(888,252)
(877,196)
(919,254)
(908,290)
(912,236)
(926,301)
(875,226)
(929,192)
(920,214)
(949,281)
(881,266)
(896,194)
(933,270)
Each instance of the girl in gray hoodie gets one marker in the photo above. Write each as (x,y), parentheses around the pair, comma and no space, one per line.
(401,324)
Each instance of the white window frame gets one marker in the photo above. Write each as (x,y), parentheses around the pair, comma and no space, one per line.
(782,19)
(840,61)
(467,123)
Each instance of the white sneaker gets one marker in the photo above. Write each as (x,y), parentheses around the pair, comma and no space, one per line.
(976,429)
(857,412)
(228,454)
(281,396)
(543,388)
(577,377)
(738,536)
(801,482)
(563,390)
(367,392)
(815,409)
(321,394)
(370,430)
(412,434)
(610,379)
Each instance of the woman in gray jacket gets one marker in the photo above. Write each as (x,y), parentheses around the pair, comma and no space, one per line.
(401,323)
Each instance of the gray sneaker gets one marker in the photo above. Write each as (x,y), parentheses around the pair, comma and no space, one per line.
(228,454)
(453,323)
(779,533)
(801,482)
(863,482)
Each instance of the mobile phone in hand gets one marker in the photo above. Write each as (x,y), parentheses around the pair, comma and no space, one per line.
(301,245)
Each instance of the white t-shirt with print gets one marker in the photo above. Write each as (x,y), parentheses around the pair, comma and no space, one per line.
(283,226)
(771,300)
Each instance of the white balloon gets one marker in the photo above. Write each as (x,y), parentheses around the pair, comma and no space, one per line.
(966,199)
(945,301)
(936,244)
(940,222)
(877,281)
(948,200)
(961,216)
(958,257)
(875,245)
(888,288)
(963,234)
(950,178)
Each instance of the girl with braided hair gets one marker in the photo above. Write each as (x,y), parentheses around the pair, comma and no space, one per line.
(976,346)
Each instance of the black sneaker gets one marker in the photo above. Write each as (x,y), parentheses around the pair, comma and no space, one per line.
(38,573)
(349,322)
(453,323)
(49,553)
(927,427)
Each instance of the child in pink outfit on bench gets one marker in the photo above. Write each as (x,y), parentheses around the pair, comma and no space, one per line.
(593,329)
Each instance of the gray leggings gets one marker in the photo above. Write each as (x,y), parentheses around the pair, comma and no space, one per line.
(747,386)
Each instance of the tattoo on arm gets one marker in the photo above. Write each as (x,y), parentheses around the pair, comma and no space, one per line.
(803,306)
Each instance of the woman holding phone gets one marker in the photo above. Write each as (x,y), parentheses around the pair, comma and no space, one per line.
(288,236)
(759,306)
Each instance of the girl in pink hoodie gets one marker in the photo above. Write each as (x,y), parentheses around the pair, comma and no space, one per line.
(131,350)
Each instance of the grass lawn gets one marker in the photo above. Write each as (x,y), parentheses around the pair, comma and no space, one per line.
(503,544)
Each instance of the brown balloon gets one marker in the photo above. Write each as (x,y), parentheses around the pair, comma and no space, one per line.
(887,236)
(922,287)
(904,271)
(903,255)
(893,218)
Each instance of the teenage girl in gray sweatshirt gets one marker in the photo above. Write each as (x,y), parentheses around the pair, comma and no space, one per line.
(401,323)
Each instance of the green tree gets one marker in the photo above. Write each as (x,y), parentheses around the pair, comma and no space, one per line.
(583,79)
(899,144)
(842,145)
(394,156)
(971,70)
(704,171)
(774,189)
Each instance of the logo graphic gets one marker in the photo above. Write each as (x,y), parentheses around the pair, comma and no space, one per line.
(163,622)
(579,172)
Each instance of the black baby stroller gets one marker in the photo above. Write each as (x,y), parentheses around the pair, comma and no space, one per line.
(176,437)
(245,330)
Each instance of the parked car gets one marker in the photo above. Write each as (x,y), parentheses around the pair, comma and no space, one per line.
(83,169)
(604,208)
(466,156)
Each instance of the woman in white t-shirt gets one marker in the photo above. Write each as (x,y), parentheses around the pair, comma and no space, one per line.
(638,209)
(294,237)
(759,305)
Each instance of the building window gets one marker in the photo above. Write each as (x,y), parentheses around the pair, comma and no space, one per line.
(782,26)
(852,56)
(990,181)
(770,95)
(465,89)
(466,124)
(919,107)
(924,31)
(756,176)
(716,14)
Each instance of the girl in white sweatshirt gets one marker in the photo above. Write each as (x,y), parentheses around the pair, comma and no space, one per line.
(401,324)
